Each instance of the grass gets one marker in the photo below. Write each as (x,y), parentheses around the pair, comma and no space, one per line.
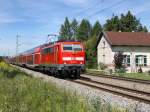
(142,76)
(22,93)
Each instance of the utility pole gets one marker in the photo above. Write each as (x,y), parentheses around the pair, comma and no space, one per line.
(17,47)
(8,52)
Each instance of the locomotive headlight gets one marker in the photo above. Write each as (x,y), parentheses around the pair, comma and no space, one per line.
(65,63)
(81,63)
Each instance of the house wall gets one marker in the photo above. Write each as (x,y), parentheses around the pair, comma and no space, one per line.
(133,51)
(106,54)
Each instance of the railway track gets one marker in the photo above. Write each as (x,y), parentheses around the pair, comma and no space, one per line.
(120,78)
(122,91)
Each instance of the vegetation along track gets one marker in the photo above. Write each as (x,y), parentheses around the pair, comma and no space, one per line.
(119,78)
(122,91)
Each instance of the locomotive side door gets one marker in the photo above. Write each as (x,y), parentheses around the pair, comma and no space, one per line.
(56,54)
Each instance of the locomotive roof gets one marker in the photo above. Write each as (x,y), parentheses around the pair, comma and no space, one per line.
(70,40)
(31,50)
(46,45)
(59,41)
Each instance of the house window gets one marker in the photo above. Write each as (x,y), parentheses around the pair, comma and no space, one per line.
(126,60)
(141,60)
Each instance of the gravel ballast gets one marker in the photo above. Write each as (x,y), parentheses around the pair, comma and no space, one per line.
(122,83)
(91,94)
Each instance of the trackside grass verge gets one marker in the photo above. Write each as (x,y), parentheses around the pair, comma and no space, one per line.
(142,76)
(21,93)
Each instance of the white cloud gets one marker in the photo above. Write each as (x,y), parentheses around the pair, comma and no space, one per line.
(34,4)
(141,8)
(6,15)
(6,18)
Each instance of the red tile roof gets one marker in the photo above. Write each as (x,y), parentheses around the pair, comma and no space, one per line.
(128,38)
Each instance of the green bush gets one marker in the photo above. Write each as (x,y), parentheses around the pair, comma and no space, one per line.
(148,72)
(91,65)
(102,66)
(1,59)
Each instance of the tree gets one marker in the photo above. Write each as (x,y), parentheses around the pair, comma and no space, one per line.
(97,29)
(112,24)
(145,29)
(140,28)
(84,30)
(65,30)
(91,53)
(129,22)
(126,23)
(62,34)
(91,42)
(74,28)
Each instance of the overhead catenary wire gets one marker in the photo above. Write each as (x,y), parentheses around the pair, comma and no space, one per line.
(101,10)
(88,8)
(106,8)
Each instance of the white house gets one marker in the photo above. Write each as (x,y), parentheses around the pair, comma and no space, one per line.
(134,45)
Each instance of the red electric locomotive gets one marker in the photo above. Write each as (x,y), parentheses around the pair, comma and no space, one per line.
(64,58)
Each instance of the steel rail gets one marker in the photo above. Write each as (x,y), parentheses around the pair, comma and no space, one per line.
(138,97)
(115,86)
(120,78)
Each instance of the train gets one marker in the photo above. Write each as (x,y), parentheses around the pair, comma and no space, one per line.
(64,58)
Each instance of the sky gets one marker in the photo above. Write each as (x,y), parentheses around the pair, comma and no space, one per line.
(33,20)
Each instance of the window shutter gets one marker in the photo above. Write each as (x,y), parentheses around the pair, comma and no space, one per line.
(128,60)
(145,61)
(136,60)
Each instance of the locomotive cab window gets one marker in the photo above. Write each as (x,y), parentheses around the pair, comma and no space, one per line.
(77,47)
(72,47)
(67,47)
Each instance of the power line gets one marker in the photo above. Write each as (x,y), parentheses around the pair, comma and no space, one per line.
(88,8)
(102,10)
(17,44)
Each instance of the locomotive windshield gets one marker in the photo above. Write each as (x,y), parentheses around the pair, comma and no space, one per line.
(72,47)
